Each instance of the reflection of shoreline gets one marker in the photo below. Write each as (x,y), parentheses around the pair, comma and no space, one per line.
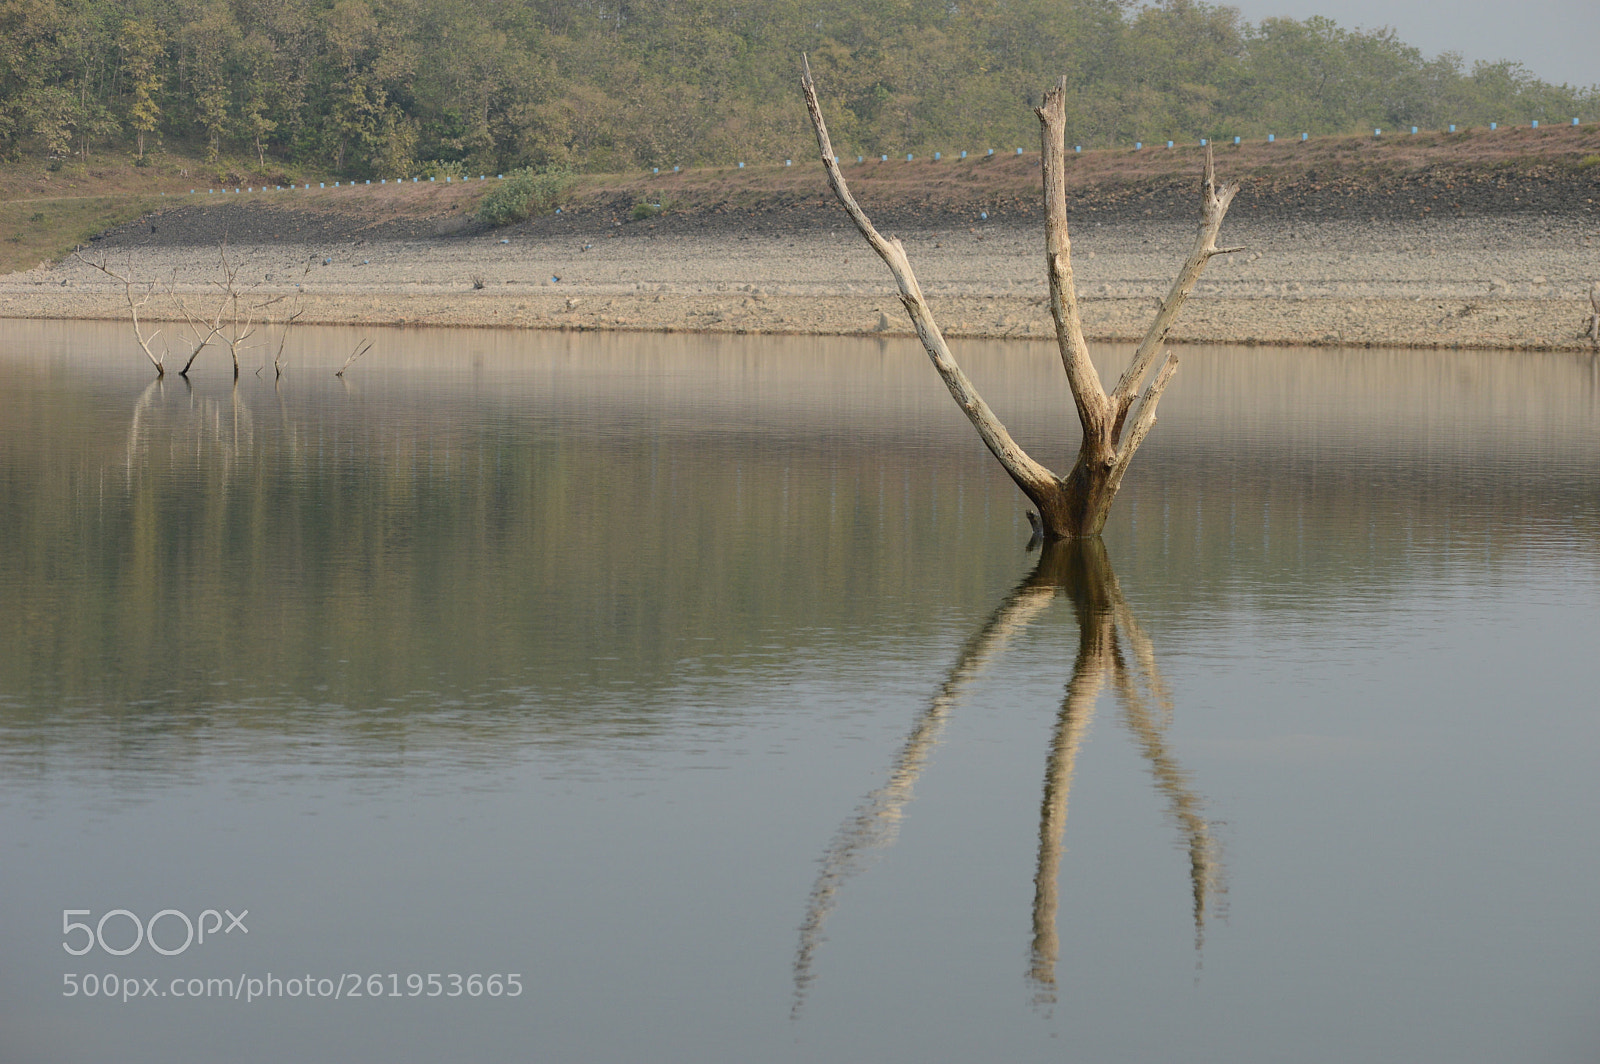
(1112,649)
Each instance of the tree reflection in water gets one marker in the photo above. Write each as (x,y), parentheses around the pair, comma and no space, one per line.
(1114,651)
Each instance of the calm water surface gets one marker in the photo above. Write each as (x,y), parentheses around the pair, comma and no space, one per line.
(707,686)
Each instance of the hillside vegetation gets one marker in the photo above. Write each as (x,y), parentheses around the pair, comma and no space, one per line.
(370,88)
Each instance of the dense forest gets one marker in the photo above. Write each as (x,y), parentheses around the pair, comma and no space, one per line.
(387,87)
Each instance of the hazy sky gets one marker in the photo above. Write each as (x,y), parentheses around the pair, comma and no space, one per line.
(1559,40)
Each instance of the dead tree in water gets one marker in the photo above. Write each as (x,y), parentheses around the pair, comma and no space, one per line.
(1114,423)
(1594,318)
(134,306)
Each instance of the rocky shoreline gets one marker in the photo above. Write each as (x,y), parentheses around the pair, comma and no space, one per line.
(1514,279)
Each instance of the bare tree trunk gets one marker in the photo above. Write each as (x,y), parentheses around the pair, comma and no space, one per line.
(1594,318)
(1075,505)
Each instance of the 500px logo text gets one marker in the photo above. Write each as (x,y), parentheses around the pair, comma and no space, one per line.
(124,924)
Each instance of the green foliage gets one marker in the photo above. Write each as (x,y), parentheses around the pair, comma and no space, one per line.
(438,168)
(365,88)
(523,194)
(642,211)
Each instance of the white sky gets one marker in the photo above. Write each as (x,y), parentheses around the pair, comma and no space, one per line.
(1558,40)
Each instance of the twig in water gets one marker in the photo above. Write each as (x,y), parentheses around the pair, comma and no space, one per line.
(362,348)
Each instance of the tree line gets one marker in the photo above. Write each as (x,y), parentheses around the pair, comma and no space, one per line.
(367,88)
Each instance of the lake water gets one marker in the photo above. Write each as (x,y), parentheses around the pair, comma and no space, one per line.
(706,687)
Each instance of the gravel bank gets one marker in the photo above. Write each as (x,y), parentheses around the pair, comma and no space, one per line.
(1513,281)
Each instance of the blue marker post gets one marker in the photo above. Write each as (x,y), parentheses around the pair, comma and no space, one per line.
(1494,125)
(1138,145)
(1078,148)
(675,169)
(1236,140)
(1271,137)
(963,155)
(1019,151)
(935,156)
(1169,143)
(1202,142)
(1452,127)
(1413,130)
(908,156)
(883,158)
(1535,123)
(991,151)
(741,166)
(788,162)
(1377,132)
(1305,136)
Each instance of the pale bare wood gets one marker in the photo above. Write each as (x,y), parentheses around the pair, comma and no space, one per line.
(128,285)
(361,348)
(1594,318)
(1082,377)
(1029,475)
(1075,505)
(1214,207)
(1143,422)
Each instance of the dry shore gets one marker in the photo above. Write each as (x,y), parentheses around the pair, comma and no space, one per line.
(1514,282)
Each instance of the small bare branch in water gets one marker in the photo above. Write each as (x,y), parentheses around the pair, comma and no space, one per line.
(362,348)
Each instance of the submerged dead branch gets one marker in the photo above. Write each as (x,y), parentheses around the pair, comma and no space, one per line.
(1075,505)
(362,348)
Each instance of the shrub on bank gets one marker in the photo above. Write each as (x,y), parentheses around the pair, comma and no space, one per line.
(523,194)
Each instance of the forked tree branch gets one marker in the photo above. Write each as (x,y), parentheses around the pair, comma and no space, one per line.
(1214,207)
(1033,478)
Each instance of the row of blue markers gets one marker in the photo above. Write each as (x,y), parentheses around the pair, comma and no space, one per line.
(937,156)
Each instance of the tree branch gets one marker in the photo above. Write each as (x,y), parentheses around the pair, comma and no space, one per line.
(1093,409)
(1214,206)
(128,284)
(1033,478)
